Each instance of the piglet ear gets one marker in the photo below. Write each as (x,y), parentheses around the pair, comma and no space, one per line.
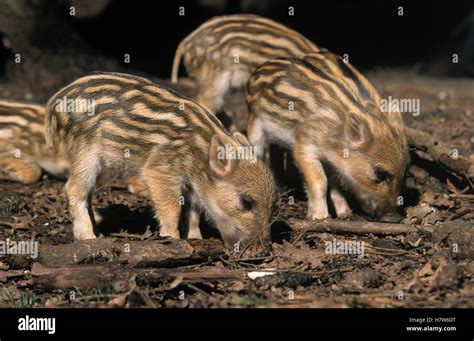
(241,138)
(357,132)
(219,162)
(395,119)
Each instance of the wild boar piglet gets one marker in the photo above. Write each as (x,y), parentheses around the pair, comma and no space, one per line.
(329,116)
(24,155)
(223,52)
(179,150)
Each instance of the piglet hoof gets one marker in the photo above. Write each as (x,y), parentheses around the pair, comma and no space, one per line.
(84,235)
(317,214)
(343,213)
(140,192)
(195,234)
(97,216)
(169,233)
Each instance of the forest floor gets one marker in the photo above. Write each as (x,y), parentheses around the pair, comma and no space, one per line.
(429,267)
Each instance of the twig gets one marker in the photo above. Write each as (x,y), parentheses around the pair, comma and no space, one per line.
(460,214)
(135,253)
(440,153)
(462,196)
(393,252)
(91,275)
(14,226)
(196,289)
(11,225)
(95,297)
(313,273)
(266,258)
(344,226)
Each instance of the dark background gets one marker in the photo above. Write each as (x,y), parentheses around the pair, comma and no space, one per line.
(56,46)
(372,33)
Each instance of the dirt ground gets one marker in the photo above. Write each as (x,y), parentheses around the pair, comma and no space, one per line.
(430,267)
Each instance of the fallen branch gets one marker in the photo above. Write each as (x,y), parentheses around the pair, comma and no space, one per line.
(344,226)
(440,153)
(93,276)
(15,226)
(8,275)
(156,253)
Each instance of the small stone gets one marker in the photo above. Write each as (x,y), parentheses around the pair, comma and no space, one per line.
(442,95)
(391,218)
(414,239)
(449,276)
(361,279)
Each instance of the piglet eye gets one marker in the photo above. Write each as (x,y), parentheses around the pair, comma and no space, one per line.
(381,175)
(246,202)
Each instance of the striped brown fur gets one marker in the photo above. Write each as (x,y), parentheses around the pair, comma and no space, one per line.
(168,141)
(209,53)
(23,151)
(329,115)
(24,154)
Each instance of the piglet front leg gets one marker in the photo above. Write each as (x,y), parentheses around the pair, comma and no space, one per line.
(194,232)
(164,190)
(315,178)
(340,204)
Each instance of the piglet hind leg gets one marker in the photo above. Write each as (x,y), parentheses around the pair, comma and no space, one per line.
(79,195)
(316,181)
(212,91)
(85,169)
(165,192)
(256,135)
(137,186)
